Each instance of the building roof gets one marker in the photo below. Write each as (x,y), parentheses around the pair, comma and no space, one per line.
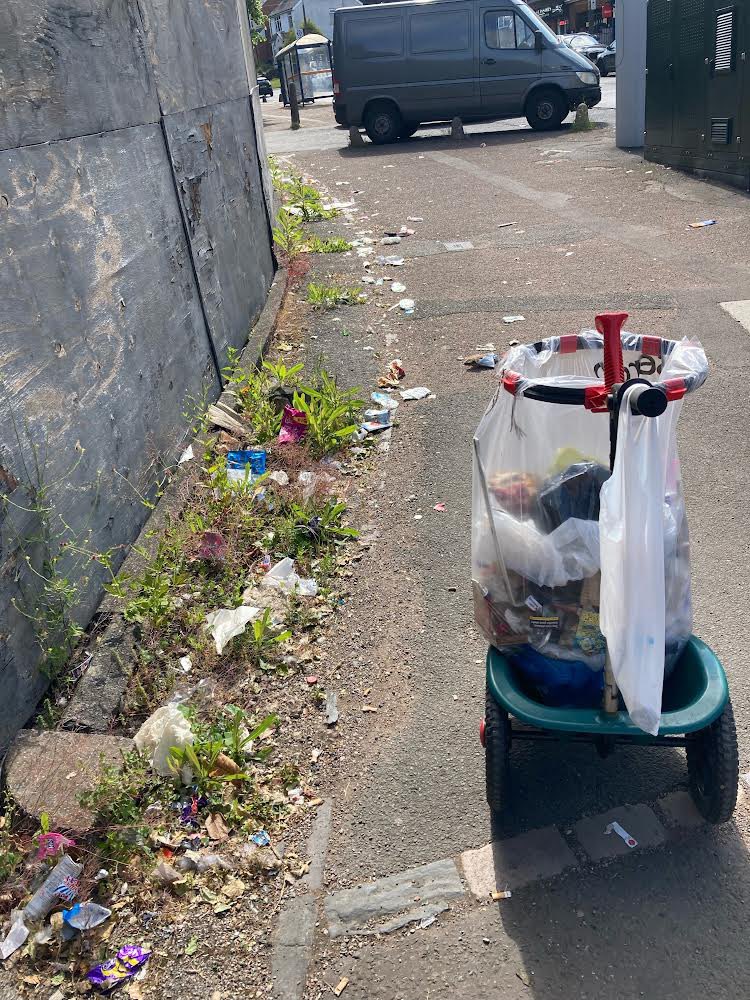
(302,42)
(271,7)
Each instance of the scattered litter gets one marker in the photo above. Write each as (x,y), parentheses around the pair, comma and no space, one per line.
(480,360)
(261,838)
(460,245)
(369,708)
(418,392)
(405,231)
(407,306)
(193,861)
(417,517)
(342,984)
(52,844)
(569,253)
(392,260)
(414,218)
(293,425)
(284,578)
(212,547)
(124,965)
(15,937)
(166,874)
(385,401)
(376,420)
(513,319)
(86,916)
(166,727)
(440,508)
(504,225)
(295,796)
(505,894)
(332,709)
(398,287)
(702,225)
(61,883)
(315,756)
(426,922)
(186,664)
(186,455)
(390,240)
(226,623)
(311,679)
(622,834)
(523,976)
(394,374)
(254,458)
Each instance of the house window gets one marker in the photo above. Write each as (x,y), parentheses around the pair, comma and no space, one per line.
(277,25)
(291,21)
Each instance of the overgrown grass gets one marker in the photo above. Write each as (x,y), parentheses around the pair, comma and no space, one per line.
(324,297)
(333,244)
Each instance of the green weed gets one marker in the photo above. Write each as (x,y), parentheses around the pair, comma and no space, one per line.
(333,244)
(321,296)
(288,234)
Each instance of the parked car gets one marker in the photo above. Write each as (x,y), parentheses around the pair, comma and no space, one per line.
(606,60)
(585,44)
(399,65)
(264,87)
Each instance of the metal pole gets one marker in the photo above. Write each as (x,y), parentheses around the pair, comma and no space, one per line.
(293,104)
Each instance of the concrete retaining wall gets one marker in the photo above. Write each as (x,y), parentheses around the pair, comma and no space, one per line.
(134,252)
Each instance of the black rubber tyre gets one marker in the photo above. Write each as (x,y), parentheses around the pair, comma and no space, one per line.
(408,129)
(383,124)
(545,109)
(713,768)
(603,69)
(497,740)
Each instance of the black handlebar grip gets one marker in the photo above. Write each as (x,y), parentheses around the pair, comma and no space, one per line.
(648,400)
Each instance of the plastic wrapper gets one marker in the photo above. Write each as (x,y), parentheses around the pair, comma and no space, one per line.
(125,964)
(539,468)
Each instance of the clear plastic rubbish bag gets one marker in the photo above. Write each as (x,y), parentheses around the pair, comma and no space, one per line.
(539,467)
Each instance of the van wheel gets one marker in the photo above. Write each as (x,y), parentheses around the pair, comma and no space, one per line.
(383,124)
(545,109)
(408,129)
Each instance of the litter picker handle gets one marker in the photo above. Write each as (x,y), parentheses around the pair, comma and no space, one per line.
(646,400)
(610,325)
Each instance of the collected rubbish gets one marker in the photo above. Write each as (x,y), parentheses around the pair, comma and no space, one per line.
(702,225)
(284,578)
(16,936)
(622,834)
(332,710)
(384,401)
(418,392)
(86,916)
(393,376)
(167,727)
(293,425)
(341,986)
(392,260)
(226,623)
(407,306)
(513,319)
(52,844)
(261,838)
(124,965)
(460,245)
(61,883)
(212,546)
(186,455)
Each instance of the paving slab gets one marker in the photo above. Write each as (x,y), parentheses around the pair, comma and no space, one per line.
(517,861)
(48,770)
(639,821)
(739,310)
(350,909)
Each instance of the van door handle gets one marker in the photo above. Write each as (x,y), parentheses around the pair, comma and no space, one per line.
(489,62)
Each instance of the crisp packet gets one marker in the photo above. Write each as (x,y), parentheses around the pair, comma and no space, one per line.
(124,965)
(293,425)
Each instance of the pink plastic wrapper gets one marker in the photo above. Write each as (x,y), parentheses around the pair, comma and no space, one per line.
(51,844)
(124,965)
(293,425)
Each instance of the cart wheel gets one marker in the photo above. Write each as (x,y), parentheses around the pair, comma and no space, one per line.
(497,738)
(713,767)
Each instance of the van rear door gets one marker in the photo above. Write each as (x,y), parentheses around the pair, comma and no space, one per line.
(509,61)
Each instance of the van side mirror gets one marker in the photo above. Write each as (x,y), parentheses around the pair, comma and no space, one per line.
(538,40)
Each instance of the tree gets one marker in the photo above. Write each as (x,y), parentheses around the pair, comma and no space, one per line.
(258,20)
(310,28)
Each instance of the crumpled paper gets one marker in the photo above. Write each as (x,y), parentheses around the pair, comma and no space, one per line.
(226,623)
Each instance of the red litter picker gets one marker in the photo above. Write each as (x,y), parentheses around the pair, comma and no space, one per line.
(581,560)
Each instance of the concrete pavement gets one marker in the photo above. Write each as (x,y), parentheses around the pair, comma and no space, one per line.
(594,228)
